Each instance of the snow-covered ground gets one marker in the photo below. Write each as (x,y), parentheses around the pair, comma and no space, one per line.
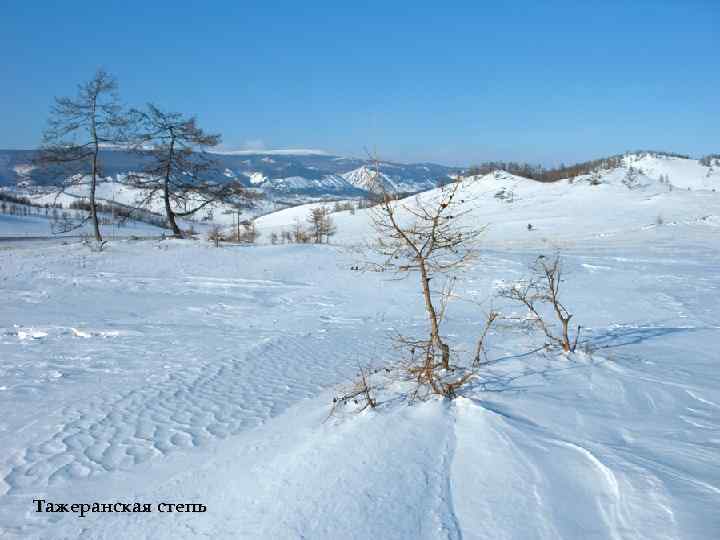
(42,226)
(176,372)
(116,191)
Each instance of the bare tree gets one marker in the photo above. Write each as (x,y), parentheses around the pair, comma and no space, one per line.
(543,287)
(299,235)
(177,165)
(322,226)
(77,129)
(215,235)
(426,238)
(480,346)
(361,393)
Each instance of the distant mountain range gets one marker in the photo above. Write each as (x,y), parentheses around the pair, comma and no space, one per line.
(285,174)
(289,177)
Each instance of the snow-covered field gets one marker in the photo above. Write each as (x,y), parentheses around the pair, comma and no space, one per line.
(176,372)
(42,226)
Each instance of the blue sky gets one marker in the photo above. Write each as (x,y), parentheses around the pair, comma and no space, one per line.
(452,82)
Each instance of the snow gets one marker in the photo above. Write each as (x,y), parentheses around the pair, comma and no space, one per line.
(683,173)
(117,192)
(366,178)
(177,372)
(24,170)
(19,226)
(287,217)
(256,177)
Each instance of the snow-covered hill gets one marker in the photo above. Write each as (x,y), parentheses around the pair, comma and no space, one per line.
(679,172)
(633,199)
(367,179)
(118,192)
(288,217)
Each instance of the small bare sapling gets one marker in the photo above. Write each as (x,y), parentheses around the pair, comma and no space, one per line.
(543,288)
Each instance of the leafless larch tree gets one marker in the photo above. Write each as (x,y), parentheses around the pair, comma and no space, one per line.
(322,226)
(426,237)
(177,165)
(78,128)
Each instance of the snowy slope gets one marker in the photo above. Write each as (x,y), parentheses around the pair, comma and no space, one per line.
(287,217)
(116,191)
(565,212)
(368,179)
(682,173)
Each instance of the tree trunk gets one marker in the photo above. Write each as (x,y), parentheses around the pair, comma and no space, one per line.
(169,214)
(168,211)
(93,206)
(565,338)
(432,315)
(93,181)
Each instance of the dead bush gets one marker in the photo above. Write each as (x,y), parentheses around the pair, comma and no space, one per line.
(543,288)
(361,393)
